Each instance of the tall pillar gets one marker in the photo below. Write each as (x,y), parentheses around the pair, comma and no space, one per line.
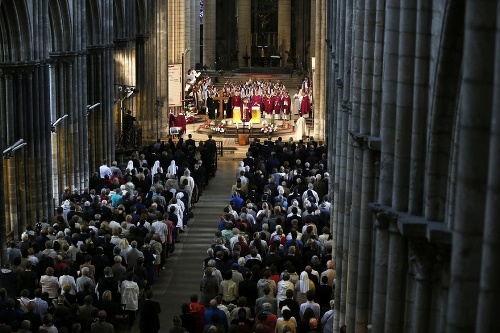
(380,273)
(187,36)
(476,93)
(389,98)
(421,258)
(395,295)
(209,25)
(244,29)
(320,132)
(317,65)
(311,43)
(284,29)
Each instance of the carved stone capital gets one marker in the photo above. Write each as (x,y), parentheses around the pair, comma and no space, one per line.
(422,259)
(359,140)
(383,220)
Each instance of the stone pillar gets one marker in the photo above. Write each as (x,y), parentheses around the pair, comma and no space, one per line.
(244,29)
(3,222)
(421,258)
(209,25)
(389,98)
(197,32)
(404,105)
(187,36)
(354,232)
(9,168)
(320,132)
(365,243)
(395,295)
(311,43)
(316,72)
(380,273)
(284,29)
(476,93)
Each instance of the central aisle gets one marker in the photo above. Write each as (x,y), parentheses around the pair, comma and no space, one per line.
(183,272)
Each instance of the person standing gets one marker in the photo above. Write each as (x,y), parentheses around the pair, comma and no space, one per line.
(150,311)
(286,105)
(300,128)
(101,325)
(128,129)
(104,170)
(236,102)
(130,296)
(297,101)
(305,105)
(180,121)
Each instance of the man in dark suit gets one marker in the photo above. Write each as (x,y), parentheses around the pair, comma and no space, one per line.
(150,320)
(190,141)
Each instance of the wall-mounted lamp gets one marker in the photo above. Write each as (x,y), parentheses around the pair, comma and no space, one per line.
(7,153)
(55,123)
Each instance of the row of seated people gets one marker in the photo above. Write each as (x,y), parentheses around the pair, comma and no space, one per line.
(268,269)
(94,263)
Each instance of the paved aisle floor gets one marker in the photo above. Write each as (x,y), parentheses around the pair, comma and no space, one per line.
(183,272)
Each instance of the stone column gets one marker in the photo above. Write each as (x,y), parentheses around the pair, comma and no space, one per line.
(318,63)
(312,28)
(284,29)
(9,169)
(404,105)
(320,133)
(365,243)
(489,289)
(389,98)
(187,36)
(244,29)
(380,272)
(209,25)
(421,258)
(476,93)
(3,223)
(395,295)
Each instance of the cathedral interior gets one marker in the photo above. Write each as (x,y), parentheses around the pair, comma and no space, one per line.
(405,94)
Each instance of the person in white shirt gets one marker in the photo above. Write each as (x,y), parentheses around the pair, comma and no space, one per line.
(104,170)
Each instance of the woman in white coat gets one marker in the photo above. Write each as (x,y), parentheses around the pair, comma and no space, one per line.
(130,296)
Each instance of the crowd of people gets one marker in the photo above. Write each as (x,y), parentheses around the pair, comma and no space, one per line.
(92,266)
(269,267)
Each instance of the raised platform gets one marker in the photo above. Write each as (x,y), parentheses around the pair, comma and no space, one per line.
(263,72)
(283,129)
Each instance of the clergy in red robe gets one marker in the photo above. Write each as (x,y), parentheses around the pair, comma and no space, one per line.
(246,110)
(276,105)
(256,99)
(236,101)
(305,105)
(171,119)
(268,106)
(286,105)
(180,121)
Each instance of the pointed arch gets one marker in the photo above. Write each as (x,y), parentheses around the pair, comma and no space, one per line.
(60,24)
(141,17)
(93,23)
(15,31)
(118,21)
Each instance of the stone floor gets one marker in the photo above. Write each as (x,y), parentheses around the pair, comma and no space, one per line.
(183,272)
